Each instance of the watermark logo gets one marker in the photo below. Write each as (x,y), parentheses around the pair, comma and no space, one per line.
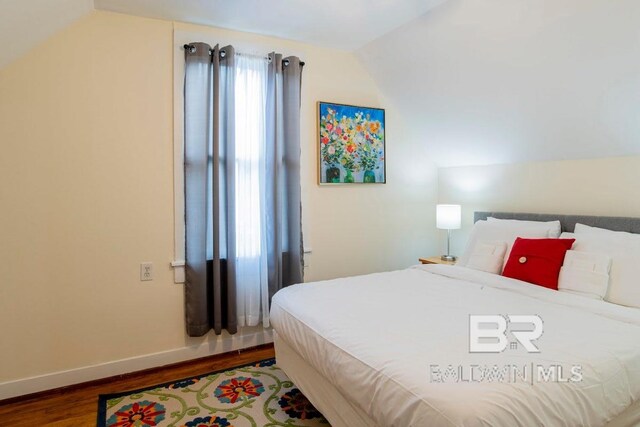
(488,333)
(529,373)
(495,334)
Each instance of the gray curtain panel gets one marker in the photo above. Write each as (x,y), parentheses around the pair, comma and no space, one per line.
(210,281)
(283,199)
(209,189)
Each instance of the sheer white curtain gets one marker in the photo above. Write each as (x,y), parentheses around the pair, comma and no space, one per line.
(251,258)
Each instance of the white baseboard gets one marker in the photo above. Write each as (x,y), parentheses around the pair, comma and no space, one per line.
(104,370)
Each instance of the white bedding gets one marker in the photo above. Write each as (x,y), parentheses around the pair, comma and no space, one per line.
(375,338)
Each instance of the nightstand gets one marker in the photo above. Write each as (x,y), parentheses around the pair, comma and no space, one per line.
(435,260)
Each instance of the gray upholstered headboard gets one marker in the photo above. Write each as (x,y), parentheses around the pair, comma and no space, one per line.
(568,222)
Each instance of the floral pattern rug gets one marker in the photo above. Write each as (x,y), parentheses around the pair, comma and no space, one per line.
(254,395)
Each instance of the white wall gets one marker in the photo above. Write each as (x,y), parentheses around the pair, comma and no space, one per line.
(86,189)
(606,186)
(503,81)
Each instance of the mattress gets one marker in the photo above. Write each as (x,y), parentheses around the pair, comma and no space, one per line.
(377,339)
(340,412)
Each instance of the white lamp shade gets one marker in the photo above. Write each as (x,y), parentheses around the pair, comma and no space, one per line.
(448,217)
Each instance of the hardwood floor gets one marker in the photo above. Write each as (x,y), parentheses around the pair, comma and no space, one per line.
(77,405)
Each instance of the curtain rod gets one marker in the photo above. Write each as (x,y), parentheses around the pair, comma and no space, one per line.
(191,48)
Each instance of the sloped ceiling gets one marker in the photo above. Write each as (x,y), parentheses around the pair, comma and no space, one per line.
(501,81)
(26,23)
(340,24)
(476,81)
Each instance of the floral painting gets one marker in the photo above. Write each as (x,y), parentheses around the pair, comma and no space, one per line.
(351,144)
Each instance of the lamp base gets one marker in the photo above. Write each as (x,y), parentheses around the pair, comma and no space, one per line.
(449,258)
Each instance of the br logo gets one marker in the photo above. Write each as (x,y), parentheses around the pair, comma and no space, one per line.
(488,333)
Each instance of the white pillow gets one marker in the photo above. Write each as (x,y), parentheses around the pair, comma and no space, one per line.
(484,231)
(488,256)
(587,229)
(585,273)
(553,227)
(624,251)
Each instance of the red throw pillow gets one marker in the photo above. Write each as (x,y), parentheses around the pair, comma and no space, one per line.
(537,261)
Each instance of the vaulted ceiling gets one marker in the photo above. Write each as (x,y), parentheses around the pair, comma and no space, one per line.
(502,81)
(476,81)
(25,23)
(342,24)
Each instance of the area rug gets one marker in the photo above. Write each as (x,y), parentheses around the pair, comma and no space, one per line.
(254,395)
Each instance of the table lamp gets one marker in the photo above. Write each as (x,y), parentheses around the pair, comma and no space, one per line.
(448,217)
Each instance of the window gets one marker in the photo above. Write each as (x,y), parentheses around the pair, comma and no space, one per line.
(250,103)
(251,260)
(232,139)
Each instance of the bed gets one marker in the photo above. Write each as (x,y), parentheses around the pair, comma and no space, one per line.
(366,355)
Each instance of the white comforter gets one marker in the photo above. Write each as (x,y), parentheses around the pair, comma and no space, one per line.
(377,337)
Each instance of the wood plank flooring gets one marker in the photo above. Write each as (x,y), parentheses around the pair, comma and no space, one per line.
(78,405)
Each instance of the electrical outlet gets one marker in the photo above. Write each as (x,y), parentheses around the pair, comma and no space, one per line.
(146,271)
(305,257)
